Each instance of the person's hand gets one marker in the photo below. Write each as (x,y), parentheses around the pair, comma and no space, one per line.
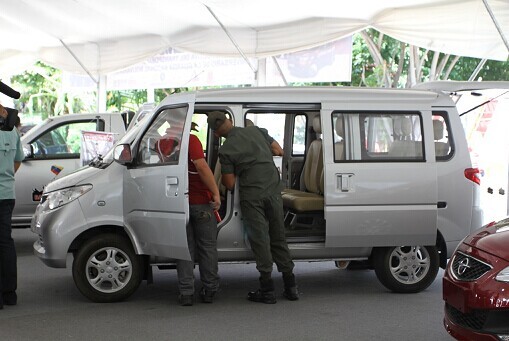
(216,202)
(3,112)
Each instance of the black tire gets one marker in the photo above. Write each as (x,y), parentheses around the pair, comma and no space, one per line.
(106,269)
(406,269)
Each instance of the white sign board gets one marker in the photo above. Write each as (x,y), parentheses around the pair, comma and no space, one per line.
(94,143)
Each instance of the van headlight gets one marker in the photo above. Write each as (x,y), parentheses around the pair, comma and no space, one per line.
(64,196)
(503,276)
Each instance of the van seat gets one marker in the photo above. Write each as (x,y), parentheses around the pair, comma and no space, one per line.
(339,146)
(404,147)
(441,148)
(311,197)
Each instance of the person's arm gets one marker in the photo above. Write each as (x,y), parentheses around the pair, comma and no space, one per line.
(19,154)
(228,181)
(207,178)
(16,166)
(276,149)
(3,112)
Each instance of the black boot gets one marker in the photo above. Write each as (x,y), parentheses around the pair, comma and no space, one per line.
(291,292)
(266,292)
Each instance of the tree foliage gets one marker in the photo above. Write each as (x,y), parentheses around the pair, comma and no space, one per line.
(42,93)
(381,61)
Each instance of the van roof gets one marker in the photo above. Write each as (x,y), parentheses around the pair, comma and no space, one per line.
(313,94)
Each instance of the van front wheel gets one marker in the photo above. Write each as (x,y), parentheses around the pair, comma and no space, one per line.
(406,269)
(106,269)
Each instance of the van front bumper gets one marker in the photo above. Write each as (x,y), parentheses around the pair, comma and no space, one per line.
(56,229)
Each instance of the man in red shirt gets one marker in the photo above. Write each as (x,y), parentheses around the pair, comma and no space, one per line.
(202,228)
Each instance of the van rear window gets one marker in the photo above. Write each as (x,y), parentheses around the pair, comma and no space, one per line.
(376,136)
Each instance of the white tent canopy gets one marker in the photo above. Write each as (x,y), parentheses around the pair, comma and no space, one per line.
(105,36)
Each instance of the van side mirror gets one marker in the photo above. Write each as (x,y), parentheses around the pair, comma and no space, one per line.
(127,117)
(122,154)
(28,151)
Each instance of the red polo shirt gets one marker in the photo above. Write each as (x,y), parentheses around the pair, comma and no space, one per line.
(198,192)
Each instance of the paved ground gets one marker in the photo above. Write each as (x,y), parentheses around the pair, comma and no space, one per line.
(335,305)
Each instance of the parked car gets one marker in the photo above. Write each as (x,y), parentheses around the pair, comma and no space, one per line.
(52,150)
(25,128)
(476,286)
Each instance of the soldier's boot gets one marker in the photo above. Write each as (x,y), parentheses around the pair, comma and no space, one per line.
(291,292)
(266,292)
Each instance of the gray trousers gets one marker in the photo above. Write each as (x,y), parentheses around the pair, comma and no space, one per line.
(202,242)
(264,224)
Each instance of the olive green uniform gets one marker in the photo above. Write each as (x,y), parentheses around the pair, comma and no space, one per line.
(247,154)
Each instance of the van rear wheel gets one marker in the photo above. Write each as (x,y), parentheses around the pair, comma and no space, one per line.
(106,269)
(406,269)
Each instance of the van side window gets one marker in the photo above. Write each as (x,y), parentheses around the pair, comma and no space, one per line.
(299,135)
(375,136)
(444,143)
(62,142)
(163,139)
(275,125)
(273,122)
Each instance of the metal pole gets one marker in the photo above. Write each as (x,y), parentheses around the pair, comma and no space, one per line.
(279,70)
(490,12)
(79,62)
(233,41)
(477,70)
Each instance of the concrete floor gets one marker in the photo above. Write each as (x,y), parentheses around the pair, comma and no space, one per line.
(334,305)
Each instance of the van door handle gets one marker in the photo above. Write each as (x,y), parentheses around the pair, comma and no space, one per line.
(344,182)
(172,186)
(172,181)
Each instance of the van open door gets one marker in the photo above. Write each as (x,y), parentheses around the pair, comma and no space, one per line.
(380,178)
(156,206)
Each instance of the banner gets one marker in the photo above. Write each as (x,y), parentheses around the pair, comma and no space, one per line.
(94,143)
(331,62)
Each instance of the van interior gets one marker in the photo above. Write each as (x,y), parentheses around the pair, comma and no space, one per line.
(358,137)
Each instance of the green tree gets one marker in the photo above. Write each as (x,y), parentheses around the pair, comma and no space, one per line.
(381,61)
(123,100)
(42,93)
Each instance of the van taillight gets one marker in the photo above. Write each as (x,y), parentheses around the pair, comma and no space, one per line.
(473,175)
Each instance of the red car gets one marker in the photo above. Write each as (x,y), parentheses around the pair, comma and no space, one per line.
(476,285)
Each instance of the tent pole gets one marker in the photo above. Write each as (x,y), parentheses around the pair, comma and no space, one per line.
(233,41)
(477,70)
(261,80)
(280,71)
(101,94)
(79,62)
(490,12)
(100,87)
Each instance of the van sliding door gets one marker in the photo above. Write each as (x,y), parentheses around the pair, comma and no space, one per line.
(380,176)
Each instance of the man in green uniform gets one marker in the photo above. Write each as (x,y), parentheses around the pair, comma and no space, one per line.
(247,153)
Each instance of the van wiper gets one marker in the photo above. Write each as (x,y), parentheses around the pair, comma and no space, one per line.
(96,161)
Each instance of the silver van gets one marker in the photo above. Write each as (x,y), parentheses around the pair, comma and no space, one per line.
(379,178)
(52,150)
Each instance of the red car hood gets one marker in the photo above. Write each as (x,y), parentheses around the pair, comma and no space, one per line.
(493,239)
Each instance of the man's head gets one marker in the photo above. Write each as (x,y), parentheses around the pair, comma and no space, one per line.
(219,123)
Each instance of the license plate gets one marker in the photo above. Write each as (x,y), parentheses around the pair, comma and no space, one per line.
(454,295)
